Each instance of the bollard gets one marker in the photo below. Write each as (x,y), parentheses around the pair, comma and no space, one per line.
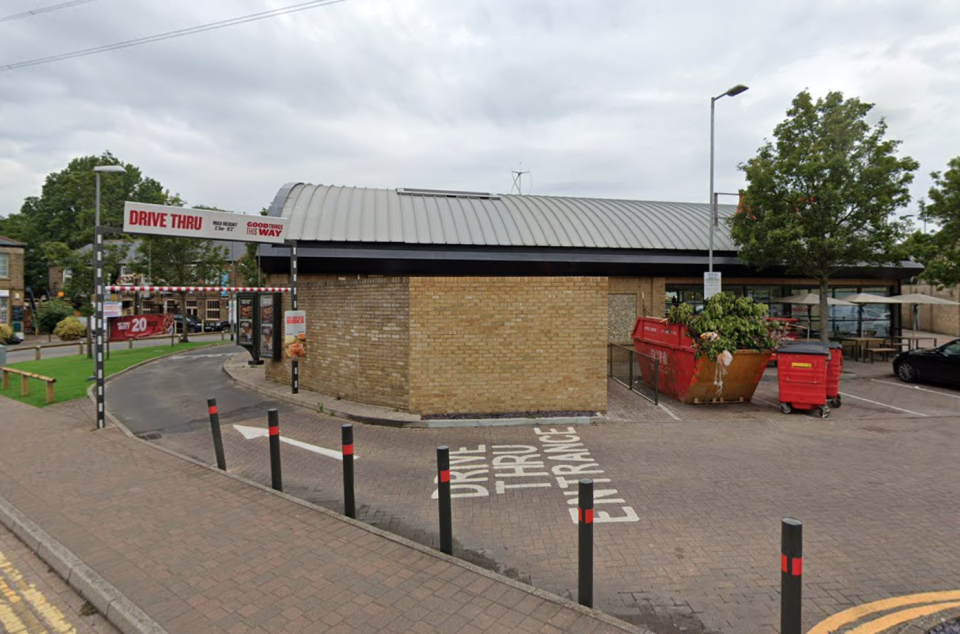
(295,377)
(130,343)
(443,497)
(36,353)
(217,438)
(791,571)
(273,419)
(585,550)
(349,499)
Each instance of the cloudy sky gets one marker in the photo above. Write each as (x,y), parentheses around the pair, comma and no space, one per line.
(606,98)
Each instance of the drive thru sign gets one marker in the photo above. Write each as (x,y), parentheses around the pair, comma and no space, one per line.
(202,223)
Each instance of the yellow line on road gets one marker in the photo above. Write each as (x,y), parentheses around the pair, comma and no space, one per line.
(898,618)
(846,617)
(29,597)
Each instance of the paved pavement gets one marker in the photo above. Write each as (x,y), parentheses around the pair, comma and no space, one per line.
(35,600)
(694,496)
(200,551)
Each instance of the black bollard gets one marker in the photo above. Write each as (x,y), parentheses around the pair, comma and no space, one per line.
(273,419)
(295,377)
(585,526)
(791,574)
(215,428)
(349,499)
(443,497)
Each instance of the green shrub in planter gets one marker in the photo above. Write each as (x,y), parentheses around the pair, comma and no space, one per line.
(727,323)
(70,329)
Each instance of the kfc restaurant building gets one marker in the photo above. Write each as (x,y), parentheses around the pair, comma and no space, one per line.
(446,302)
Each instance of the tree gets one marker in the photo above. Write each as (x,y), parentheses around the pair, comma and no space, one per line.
(79,286)
(65,210)
(51,313)
(248,265)
(180,262)
(939,252)
(823,195)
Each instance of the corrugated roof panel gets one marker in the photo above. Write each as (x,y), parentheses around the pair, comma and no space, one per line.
(346,214)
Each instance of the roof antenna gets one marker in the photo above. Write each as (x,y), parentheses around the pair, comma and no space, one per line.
(518,181)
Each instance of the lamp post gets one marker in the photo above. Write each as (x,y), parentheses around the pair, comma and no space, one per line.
(98,297)
(733,92)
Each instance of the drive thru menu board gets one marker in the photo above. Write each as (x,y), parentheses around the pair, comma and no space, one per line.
(258,324)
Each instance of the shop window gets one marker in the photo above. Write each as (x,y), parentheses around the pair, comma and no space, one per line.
(213,309)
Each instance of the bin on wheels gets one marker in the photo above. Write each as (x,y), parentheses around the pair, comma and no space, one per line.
(834,370)
(802,377)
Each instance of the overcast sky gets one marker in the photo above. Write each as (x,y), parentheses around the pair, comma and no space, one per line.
(605,98)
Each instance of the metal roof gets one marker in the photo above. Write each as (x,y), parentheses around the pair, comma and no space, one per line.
(319,213)
(7,242)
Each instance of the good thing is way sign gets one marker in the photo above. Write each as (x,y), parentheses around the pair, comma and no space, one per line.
(159,220)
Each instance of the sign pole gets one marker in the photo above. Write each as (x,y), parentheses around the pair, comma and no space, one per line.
(294,364)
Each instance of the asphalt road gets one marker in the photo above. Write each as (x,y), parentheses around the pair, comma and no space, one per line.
(26,351)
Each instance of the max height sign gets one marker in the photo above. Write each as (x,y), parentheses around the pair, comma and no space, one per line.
(184,222)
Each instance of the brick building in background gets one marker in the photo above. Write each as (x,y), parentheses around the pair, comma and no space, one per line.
(440,302)
(12,292)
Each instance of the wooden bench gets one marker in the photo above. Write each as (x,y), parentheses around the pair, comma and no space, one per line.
(874,352)
(24,378)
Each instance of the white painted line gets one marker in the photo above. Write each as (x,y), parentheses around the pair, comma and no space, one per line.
(257,432)
(899,409)
(765,401)
(672,415)
(916,387)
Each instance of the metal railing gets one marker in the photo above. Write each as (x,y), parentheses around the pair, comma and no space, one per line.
(638,372)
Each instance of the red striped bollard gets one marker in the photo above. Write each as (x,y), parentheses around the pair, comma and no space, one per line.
(585,546)
(273,420)
(791,575)
(215,429)
(443,497)
(349,499)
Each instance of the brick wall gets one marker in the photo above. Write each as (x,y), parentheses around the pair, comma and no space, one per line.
(357,339)
(939,319)
(498,344)
(13,282)
(649,294)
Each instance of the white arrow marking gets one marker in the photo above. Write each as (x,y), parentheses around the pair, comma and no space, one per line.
(259,432)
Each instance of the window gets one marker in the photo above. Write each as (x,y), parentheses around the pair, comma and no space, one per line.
(213,309)
(4,265)
(4,314)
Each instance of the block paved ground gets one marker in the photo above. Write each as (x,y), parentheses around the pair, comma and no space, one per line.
(872,484)
(202,552)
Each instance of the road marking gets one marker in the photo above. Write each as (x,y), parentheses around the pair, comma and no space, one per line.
(258,432)
(672,415)
(837,621)
(898,618)
(915,387)
(37,615)
(765,402)
(899,409)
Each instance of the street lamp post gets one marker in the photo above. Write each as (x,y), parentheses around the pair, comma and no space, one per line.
(98,298)
(733,92)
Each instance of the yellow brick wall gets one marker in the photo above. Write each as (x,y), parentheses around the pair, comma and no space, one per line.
(14,281)
(939,319)
(357,339)
(650,294)
(498,344)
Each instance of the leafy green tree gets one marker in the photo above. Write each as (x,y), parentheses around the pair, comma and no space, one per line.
(79,286)
(170,261)
(248,265)
(51,313)
(939,252)
(822,196)
(65,210)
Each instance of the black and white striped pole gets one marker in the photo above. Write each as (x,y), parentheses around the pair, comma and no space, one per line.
(98,299)
(294,364)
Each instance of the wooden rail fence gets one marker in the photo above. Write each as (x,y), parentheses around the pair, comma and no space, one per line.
(24,381)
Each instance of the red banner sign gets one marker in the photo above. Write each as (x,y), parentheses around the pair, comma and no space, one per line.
(138,326)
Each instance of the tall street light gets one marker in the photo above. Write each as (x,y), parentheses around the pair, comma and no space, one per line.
(98,297)
(733,92)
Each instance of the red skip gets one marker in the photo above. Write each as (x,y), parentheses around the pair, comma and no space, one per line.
(348,450)
(793,567)
(585,515)
(213,410)
(445,475)
(275,431)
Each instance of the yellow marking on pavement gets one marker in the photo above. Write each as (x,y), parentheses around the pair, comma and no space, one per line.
(29,600)
(898,618)
(9,620)
(846,617)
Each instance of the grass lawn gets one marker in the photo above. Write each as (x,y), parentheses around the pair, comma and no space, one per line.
(73,371)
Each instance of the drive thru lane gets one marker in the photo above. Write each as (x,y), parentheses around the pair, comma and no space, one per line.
(697,502)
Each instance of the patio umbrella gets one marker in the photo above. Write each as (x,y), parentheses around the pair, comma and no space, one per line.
(810,299)
(919,298)
(867,298)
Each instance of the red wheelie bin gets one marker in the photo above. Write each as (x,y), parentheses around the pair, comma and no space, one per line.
(802,376)
(834,370)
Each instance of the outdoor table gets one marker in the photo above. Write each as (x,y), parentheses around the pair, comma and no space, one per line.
(861,344)
(914,342)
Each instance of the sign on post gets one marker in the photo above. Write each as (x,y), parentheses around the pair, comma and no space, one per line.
(160,220)
(711,284)
(295,334)
(112,309)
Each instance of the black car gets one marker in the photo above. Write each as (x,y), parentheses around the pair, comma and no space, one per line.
(193,324)
(939,365)
(216,326)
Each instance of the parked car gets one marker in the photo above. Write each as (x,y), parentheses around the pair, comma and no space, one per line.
(193,324)
(937,365)
(216,326)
